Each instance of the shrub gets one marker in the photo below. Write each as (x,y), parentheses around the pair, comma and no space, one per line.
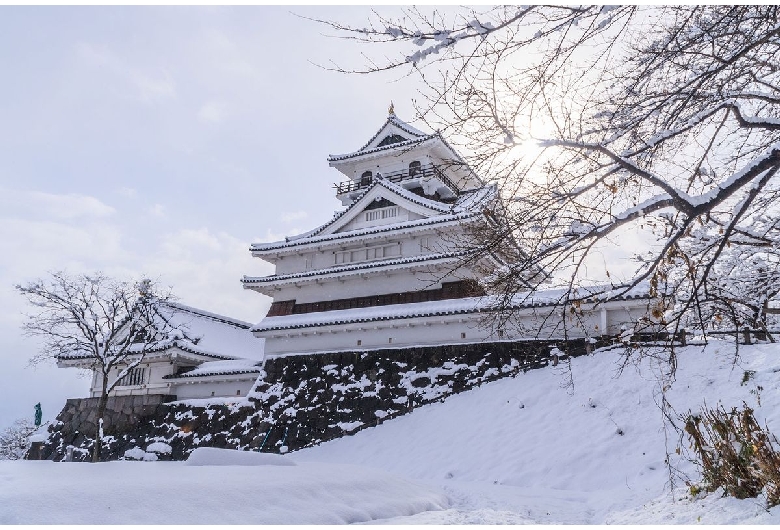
(735,453)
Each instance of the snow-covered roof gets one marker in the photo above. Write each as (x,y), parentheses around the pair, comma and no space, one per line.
(392,124)
(209,333)
(199,332)
(444,307)
(383,265)
(468,204)
(222,368)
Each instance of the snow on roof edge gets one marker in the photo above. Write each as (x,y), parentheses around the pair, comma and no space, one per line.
(437,308)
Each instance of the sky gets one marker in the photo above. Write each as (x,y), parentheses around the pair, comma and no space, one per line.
(161,142)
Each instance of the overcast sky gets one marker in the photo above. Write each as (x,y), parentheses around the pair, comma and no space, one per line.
(162,142)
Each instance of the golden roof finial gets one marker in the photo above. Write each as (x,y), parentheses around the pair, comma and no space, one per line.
(391,110)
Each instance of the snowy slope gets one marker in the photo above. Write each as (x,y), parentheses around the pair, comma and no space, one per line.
(526,450)
(174,493)
(532,448)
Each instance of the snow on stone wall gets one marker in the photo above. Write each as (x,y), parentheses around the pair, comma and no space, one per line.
(304,400)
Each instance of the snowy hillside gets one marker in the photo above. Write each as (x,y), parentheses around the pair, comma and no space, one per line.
(590,453)
(522,450)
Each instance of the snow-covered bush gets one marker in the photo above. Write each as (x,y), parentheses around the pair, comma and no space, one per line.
(735,453)
(15,440)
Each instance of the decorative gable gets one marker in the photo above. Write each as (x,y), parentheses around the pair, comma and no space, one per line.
(384,203)
(392,139)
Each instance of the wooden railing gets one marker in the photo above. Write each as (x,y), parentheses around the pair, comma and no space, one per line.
(397,177)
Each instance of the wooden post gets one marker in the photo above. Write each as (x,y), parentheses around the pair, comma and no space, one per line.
(746,334)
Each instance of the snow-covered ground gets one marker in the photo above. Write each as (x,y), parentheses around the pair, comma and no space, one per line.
(532,449)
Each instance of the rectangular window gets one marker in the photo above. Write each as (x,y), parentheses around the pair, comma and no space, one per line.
(462,335)
(368,254)
(391,251)
(134,377)
(381,213)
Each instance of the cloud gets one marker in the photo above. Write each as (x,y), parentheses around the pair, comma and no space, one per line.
(148,87)
(60,206)
(71,205)
(213,112)
(157,210)
(130,193)
(205,269)
(271,236)
(289,217)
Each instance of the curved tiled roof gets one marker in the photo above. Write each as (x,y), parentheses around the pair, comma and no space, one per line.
(379,264)
(391,119)
(194,331)
(467,205)
(388,147)
(458,306)
(339,236)
(219,368)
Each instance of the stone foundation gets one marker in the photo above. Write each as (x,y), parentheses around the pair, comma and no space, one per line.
(301,401)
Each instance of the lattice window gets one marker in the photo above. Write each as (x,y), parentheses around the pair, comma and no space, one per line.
(383,213)
(135,377)
(368,254)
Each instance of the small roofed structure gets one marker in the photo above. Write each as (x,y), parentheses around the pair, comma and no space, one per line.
(206,355)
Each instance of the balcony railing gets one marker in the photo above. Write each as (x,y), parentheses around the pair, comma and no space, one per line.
(398,177)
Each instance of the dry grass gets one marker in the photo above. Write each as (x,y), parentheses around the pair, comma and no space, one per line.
(735,453)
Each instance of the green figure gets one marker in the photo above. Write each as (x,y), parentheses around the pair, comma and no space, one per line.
(38,415)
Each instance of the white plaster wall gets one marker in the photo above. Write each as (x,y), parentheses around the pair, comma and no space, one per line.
(394,281)
(359,222)
(154,382)
(446,330)
(410,246)
(216,389)
(390,163)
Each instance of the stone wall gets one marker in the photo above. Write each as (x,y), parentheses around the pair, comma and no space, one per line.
(77,423)
(300,401)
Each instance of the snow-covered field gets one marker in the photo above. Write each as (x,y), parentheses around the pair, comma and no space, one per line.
(526,450)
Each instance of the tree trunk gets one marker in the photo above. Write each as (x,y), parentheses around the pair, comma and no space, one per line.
(99,424)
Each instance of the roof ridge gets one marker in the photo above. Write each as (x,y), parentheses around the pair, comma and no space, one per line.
(456,211)
(207,314)
(366,231)
(349,268)
(398,122)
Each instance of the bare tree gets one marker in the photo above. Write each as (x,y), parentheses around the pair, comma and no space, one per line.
(110,324)
(15,440)
(658,128)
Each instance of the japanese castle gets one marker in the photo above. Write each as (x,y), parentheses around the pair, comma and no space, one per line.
(387,271)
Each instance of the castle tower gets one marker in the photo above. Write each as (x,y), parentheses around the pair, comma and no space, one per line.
(384,272)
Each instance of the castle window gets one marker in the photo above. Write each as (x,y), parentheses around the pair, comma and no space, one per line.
(462,335)
(390,340)
(238,392)
(365,178)
(391,139)
(134,377)
(383,213)
(368,254)
(415,168)
(360,342)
